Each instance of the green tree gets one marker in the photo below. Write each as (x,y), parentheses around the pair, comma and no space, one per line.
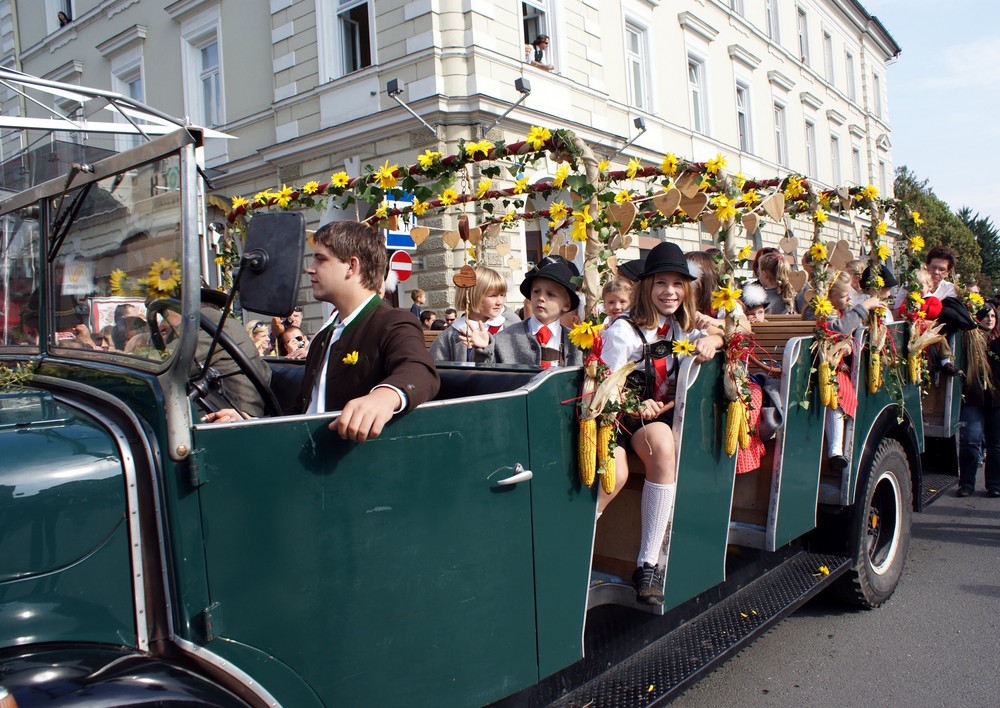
(941,227)
(988,238)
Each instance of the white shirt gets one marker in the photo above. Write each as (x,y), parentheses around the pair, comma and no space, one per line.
(623,345)
(555,329)
(317,403)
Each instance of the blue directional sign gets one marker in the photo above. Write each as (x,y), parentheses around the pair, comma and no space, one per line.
(399,239)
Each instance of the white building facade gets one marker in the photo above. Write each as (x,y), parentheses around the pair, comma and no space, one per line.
(777,86)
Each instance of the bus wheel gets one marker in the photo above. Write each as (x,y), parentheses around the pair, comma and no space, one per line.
(879,528)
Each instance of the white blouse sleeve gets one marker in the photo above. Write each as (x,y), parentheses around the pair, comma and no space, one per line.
(621,344)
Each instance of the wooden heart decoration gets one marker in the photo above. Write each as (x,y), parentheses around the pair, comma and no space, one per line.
(451,239)
(626,242)
(798,279)
(694,205)
(711,223)
(789,244)
(419,234)
(845,197)
(751,222)
(463,227)
(569,251)
(615,242)
(841,255)
(491,231)
(503,248)
(621,216)
(687,184)
(774,206)
(465,277)
(392,222)
(667,202)
(475,235)
(311,237)
(513,263)
(613,264)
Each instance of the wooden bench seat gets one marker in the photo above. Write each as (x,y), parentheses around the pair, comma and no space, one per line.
(430,335)
(772,336)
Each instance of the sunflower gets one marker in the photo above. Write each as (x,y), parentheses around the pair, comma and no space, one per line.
(682,347)
(537,137)
(726,298)
(339,180)
(562,172)
(164,277)
(385,176)
(118,279)
(822,306)
(583,335)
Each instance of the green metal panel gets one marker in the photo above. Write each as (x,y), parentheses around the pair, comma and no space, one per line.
(705,476)
(563,513)
(796,480)
(911,392)
(395,572)
(65,572)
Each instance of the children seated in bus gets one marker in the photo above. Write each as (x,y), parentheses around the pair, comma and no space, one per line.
(849,319)
(484,305)
(663,313)
(883,283)
(701,264)
(754,300)
(540,340)
(616,298)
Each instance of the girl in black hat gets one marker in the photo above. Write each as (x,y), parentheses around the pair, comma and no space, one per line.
(661,322)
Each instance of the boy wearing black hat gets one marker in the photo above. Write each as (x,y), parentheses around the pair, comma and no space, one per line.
(540,340)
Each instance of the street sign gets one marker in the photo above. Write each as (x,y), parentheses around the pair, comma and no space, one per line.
(400,237)
(401,264)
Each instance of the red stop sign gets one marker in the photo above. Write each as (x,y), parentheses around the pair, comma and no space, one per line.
(401,264)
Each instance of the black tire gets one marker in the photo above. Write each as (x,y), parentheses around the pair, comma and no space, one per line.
(879,528)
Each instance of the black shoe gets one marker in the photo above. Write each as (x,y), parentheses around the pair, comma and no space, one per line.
(993,493)
(838,463)
(949,369)
(648,581)
(966,492)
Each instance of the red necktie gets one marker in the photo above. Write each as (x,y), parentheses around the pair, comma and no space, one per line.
(494,328)
(543,335)
(660,368)
(663,329)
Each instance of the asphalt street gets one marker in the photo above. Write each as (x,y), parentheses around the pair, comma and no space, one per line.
(934,643)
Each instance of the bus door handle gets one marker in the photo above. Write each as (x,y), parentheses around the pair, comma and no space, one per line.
(520,475)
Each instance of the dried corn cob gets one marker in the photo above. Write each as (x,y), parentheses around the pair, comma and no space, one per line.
(913,360)
(744,427)
(874,372)
(826,392)
(733,416)
(588,451)
(606,456)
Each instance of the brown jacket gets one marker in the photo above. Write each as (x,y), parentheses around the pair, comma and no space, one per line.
(391,350)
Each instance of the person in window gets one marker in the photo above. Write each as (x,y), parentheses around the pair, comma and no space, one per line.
(535,53)
(64,19)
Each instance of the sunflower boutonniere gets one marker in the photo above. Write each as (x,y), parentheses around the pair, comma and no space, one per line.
(351,359)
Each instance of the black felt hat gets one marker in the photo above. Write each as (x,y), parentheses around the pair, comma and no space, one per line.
(632,269)
(887,277)
(557,272)
(556,258)
(667,257)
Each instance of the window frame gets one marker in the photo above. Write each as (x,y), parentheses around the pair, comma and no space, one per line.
(856,166)
(642,60)
(771,25)
(125,67)
(738,7)
(828,64)
(780,118)
(852,84)
(877,94)
(809,141)
(835,167)
(331,46)
(744,118)
(802,30)
(698,94)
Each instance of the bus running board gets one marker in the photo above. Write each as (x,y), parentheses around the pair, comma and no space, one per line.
(665,668)
(933,486)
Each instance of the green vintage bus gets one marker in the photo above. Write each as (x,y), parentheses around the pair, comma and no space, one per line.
(456,560)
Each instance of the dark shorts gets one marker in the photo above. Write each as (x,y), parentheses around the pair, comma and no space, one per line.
(628,426)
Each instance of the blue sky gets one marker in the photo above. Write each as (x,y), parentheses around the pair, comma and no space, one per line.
(944,97)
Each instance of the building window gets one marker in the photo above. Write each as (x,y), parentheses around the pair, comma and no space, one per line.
(345,37)
(883,179)
(802,23)
(737,7)
(877,94)
(58,13)
(127,81)
(355,35)
(210,83)
(771,20)
(856,163)
(835,159)
(699,105)
(828,56)
(743,117)
(811,166)
(780,135)
(535,19)
(636,61)
(852,89)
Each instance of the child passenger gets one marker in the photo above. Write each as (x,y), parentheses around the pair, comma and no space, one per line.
(540,340)
(662,311)
(617,297)
(485,304)
(850,318)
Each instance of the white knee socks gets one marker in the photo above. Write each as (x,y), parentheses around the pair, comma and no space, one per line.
(657,505)
(835,432)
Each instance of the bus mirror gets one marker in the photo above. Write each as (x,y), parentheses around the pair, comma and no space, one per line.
(271,266)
